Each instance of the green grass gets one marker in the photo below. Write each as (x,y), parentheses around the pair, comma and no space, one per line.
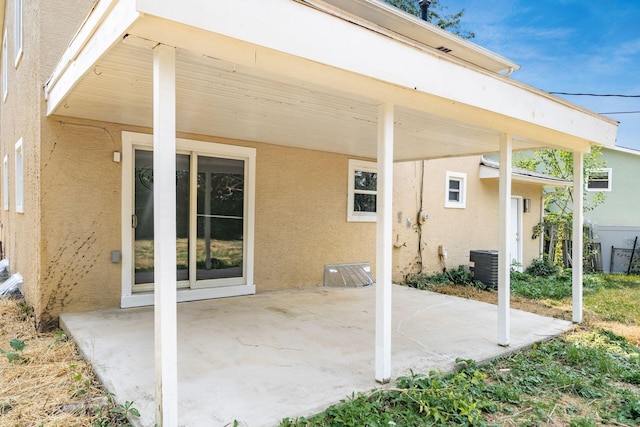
(585,378)
(580,379)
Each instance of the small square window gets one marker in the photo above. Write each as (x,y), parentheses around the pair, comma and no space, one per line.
(19,152)
(599,179)
(363,191)
(5,182)
(456,190)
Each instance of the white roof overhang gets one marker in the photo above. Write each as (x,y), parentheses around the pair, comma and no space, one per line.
(491,170)
(298,73)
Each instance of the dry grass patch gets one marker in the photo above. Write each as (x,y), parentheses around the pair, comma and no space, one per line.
(48,384)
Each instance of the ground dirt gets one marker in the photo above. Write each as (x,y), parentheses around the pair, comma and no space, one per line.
(49,384)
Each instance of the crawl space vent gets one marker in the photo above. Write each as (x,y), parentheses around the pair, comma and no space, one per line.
(348,275)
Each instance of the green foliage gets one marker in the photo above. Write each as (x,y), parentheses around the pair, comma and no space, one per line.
(556,382)
(15,353)
(429,282)
(117,415)
(437,16)
(557,223)
(542,267)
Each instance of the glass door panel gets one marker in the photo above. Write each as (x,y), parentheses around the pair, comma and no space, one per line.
(220,218)
(143,219)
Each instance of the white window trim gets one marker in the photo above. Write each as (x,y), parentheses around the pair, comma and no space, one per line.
(19,176)
(364,166)
(609,180)
(462,177)
(5,67)
(132,140)
(19,31)
(5,182)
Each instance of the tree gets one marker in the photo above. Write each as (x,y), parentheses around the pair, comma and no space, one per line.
(437,16)
(557,224)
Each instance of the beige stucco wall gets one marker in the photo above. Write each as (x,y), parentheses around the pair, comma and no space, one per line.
(21,116)
(301,211)
(457,230)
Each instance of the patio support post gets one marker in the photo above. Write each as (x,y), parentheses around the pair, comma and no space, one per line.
(164,228)
(504,251)
(384,243)
(578,219)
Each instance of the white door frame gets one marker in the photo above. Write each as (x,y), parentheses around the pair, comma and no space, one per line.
(518,229)
(132,140)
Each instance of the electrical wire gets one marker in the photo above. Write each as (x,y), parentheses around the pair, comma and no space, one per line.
(622,112)
(595,94)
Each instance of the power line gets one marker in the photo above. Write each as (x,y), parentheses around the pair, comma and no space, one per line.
(595,94)
(622,112)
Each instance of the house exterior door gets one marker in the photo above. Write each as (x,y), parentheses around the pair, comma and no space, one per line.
(515,233)
(215,199)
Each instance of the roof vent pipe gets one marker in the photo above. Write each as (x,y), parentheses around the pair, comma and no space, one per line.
(424,9)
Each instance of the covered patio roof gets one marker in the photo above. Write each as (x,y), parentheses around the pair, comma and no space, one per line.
(311,74)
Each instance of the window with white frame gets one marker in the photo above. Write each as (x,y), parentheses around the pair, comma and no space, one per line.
(5,67)
(18,39)
(19,177)
(363,191)
(456,190)
(599,179)
(5,182)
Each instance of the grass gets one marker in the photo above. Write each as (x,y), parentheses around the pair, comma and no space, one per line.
(589,377)
(224,253)
(45,382)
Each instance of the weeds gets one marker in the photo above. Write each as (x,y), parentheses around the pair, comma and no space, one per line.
(15,353)
(566,380)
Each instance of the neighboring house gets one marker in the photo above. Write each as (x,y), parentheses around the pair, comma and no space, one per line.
(458,203)
(616,222)
(237,123)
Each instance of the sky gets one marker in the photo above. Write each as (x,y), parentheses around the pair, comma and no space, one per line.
(574,46)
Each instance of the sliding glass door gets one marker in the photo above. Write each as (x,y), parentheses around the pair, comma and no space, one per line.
(210,220)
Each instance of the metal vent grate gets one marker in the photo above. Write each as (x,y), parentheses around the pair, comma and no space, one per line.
(443,49)
(348,275)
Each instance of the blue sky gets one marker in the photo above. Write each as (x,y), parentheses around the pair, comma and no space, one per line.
(576,46)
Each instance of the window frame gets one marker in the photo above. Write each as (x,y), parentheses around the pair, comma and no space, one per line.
(462,178)
(5,182)
(5,67)
(19,175)
(19,31)
(363,166)
(609,172)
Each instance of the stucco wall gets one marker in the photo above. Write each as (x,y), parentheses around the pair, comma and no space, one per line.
(462,230)
(20,118)
(301,210)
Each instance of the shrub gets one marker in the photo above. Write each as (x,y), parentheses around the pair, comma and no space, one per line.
(542,268)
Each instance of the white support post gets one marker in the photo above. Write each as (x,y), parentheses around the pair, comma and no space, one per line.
(504,253)
(384,243)
(164,228)
(578,219)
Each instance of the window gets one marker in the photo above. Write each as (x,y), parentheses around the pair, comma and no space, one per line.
(5,68)
(456,190)
(19,176)
(599,180)
(363,184)
(5,182)
(18,32)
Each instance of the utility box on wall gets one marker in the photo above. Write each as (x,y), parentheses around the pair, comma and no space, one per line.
(485,268)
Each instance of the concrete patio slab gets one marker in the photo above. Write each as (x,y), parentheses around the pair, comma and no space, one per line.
(261,358)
